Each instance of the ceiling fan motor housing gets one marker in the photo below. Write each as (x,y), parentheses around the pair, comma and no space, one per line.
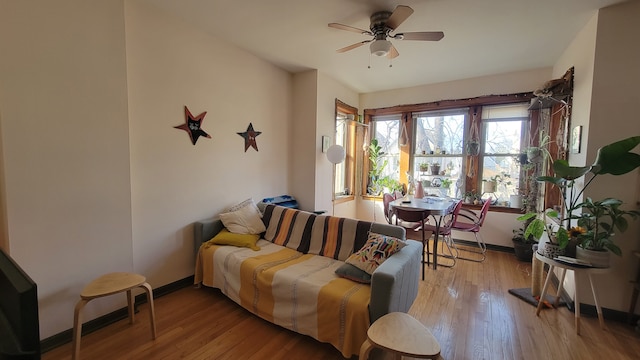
(379,24)
(380,46)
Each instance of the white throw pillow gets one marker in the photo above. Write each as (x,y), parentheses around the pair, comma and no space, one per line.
(243,218)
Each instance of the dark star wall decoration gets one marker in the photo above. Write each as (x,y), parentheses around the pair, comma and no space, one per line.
(193,125)
(250,137)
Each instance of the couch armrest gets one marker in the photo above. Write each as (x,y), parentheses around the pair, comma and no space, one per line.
(394,284)
(204,230)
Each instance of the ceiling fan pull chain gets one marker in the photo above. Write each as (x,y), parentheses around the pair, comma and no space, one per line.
(369,66)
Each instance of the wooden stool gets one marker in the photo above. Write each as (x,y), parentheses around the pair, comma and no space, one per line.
(401,334)
(105,285)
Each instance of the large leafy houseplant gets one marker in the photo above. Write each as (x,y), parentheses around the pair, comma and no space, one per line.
(600,219)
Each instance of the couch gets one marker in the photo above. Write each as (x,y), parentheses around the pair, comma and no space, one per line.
(291,280)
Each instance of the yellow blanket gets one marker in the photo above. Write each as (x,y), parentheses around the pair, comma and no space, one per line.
(297,291)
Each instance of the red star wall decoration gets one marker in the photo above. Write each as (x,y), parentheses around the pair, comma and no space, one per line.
(250,137)
(193,125)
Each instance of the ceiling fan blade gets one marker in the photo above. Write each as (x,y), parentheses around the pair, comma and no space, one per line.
(399,15)
(393,53)
(351,47)
(420,35)
(350,28)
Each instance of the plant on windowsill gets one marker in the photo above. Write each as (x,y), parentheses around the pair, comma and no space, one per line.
(600,219)
(389,184)
(375,167)
(491,185)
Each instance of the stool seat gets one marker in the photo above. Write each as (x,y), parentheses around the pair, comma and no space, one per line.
(403,335)
(110,284)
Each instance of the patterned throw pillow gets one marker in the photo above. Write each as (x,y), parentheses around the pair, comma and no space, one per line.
(375,251)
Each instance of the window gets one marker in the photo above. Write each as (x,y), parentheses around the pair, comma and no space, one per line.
(387,131)
(437,154)
(503,133)
(344,179)
(430,143)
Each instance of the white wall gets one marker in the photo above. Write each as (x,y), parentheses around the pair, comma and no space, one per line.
(63,97)
(304,132)
(580,54)
(498,227)
(173,183)
(614,116)
(96,177)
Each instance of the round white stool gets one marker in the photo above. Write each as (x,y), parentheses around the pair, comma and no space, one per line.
(400,334)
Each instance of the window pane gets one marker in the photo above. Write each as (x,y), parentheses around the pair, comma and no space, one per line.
(504,169)
(341,139)
(503,137)
(440,175)
(387,132)
(439,134)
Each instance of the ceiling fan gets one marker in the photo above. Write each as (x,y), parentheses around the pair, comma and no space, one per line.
(382,24)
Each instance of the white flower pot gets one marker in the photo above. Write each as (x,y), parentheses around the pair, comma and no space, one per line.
(515,201)
(550,250)
(600,259)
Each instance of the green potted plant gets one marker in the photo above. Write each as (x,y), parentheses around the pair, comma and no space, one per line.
(596,226)
(600,218)
(523,245)
(389,184)
(424,166)
(558,238)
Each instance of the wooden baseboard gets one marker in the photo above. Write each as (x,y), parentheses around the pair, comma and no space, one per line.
(98,323)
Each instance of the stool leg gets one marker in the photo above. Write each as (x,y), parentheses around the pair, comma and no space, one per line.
(365,350)
(77,328)
(152,315)
(130,306)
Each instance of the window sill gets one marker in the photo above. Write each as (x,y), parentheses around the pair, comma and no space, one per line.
(339,199)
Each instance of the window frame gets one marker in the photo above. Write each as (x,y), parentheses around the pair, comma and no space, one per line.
(350,152)
(406,112)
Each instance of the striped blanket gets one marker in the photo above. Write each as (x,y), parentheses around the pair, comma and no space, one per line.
(295,290)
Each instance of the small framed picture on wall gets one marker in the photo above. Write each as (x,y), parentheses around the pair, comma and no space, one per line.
(326,143)
(576,139)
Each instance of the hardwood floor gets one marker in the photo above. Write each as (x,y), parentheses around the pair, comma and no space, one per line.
(467,308)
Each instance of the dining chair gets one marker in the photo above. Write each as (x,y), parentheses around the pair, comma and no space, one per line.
(470,221)
(445,231)
(386,199)
(403,217)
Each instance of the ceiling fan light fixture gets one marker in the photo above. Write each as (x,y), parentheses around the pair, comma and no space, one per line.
(380,47)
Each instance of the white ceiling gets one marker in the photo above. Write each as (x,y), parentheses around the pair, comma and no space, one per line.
(482,37)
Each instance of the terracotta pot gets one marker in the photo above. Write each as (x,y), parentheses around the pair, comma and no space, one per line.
(600,259)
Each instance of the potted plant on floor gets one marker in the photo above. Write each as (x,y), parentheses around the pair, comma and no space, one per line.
(600,219)
(523,246)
